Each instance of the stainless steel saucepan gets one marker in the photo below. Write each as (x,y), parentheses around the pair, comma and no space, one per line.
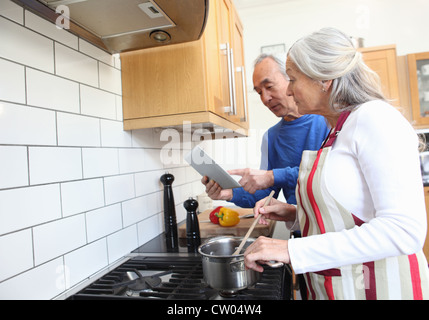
(223,270)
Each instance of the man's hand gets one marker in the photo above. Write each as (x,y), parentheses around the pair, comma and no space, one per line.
(215,191)
(254,179)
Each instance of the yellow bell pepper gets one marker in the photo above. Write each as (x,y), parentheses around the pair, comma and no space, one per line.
(228,217)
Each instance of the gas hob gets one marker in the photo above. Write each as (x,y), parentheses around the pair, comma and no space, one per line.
(177,278)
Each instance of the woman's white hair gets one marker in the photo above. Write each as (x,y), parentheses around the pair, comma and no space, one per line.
(329,54)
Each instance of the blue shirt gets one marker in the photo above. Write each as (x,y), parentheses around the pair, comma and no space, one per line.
(281,150)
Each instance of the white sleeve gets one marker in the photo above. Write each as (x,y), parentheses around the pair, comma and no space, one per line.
(386,153)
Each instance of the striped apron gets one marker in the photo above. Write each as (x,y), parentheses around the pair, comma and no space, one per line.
(402,277)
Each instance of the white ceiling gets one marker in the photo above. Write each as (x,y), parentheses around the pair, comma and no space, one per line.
(241,4)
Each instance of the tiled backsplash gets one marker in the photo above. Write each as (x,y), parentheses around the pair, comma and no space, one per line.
(77,192)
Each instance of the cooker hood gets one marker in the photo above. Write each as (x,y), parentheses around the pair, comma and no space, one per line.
(123,25)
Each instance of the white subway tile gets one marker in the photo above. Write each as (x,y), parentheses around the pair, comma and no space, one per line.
(143,138)
(52,164)
(148,181)
(25,46)
(104,221)
(197,188)
(98,103)
(13,167)
(117,61)
(122,243)
(80,196)
(84,262)
(26,125)
(169,138)
(185,192)
(192,174)
(99,162)
(96,53)
(119,111)
(41,283)
(16,250)
(153,160)
(119,188)
(50,30)
(131,160)
(134,210)
(155,203)
(75,65)
(58,237)
(52,92)
(179,176)
(77,130)
(150,228)
(26,207)
(180,213)
(113,134)
(12,11)
(110,79)
(12,82)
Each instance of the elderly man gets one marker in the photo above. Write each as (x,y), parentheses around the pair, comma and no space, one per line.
(282,144)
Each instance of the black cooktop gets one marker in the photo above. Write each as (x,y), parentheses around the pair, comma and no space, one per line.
(178,278)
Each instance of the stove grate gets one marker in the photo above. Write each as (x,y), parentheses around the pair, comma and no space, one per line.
(185,281)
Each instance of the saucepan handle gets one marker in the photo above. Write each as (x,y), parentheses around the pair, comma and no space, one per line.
(274,264)
(238,266)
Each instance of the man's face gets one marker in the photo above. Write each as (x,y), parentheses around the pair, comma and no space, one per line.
(271,86)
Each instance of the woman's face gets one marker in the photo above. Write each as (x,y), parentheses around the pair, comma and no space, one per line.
(309,94)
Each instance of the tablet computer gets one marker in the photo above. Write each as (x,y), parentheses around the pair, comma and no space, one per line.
(206,166)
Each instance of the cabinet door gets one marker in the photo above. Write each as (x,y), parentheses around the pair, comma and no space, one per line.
(418,70)
(163,81)
(213,60)
(225,12)
(239,69)
(382,60)
(426,245)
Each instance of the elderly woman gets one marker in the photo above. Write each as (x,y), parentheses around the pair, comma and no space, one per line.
(361,209)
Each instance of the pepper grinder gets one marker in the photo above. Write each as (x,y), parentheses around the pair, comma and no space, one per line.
(170,223)
(193,239)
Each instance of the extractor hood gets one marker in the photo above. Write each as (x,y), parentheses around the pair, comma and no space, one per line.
(124,25)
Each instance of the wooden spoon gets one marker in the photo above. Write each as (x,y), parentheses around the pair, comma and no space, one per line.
(252,226)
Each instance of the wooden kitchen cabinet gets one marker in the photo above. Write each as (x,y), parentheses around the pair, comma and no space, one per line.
(239,70)
(202,81)
(383,61)
(426,245)
(418,75)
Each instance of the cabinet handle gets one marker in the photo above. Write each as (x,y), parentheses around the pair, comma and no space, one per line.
(234,102)
(243,80)
(226,47)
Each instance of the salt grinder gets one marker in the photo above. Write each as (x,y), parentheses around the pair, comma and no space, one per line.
(170,223)
(193,239)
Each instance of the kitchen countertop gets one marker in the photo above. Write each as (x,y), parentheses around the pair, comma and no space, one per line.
(158,244)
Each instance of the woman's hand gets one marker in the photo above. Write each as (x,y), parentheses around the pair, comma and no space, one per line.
(275,210)
(266,249)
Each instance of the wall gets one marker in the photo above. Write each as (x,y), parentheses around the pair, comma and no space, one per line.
(379,22)
(77,193)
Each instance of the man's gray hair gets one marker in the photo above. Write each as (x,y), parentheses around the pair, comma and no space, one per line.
(279,58)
